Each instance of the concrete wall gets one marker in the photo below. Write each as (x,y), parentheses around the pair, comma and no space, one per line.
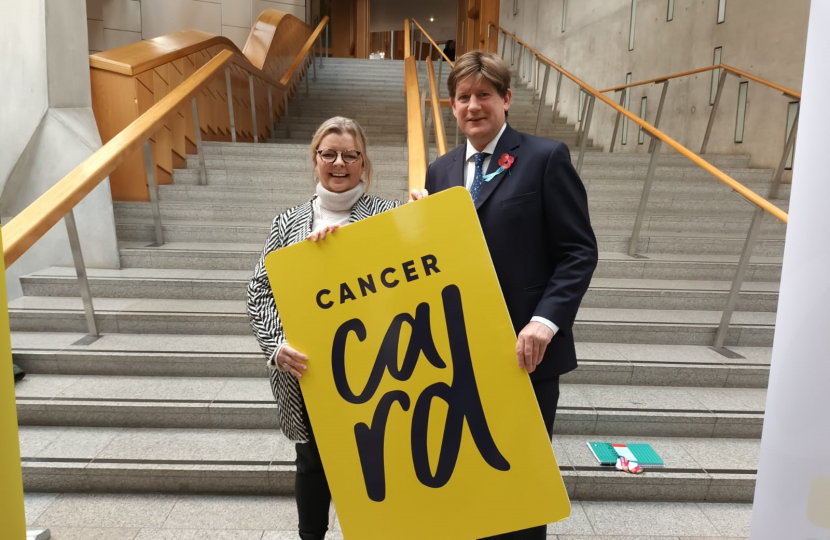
(113,23)
(50,90)
(766,38)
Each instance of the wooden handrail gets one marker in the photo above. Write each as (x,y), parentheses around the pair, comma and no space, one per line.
(415,126)
(438,119)
(407,39)
(659,79)
(739,188)
(450,62)
(744,74)
(40,216)
(304,51)
(738,72)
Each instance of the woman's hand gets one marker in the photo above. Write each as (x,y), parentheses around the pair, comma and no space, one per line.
(321,233)
(292,361)
(417,194)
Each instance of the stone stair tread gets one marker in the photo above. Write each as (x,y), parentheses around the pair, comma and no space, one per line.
(190,247)
(216,391)
(245,517)
(244,276)
(57,304)
(252,449)
(65,342)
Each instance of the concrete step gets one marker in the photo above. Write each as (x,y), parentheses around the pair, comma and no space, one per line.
(247,403)
(611,264)
(273,517)
(672,219)
(230,461)
(171,355)
(232,285)
(213,317)
(379,151)
(689,242)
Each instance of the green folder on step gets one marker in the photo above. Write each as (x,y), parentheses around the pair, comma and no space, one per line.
(607,453)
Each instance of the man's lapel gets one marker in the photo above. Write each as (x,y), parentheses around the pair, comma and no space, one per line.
(455,172)
(507,144)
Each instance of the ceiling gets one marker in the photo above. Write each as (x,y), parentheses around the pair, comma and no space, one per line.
(388,15)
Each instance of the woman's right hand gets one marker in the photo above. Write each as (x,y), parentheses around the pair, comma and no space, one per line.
(417,194)
(292,361)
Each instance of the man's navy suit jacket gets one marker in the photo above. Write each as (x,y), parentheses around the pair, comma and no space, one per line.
(535,220)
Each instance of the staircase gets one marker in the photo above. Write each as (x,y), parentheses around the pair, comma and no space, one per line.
(174,399)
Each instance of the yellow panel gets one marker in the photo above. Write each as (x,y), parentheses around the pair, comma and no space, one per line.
(442,289)
(12,515)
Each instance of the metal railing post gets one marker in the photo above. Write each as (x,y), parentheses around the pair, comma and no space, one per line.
(503,46)
(659,112)
(490,38)
(80,270)
(154,195)
(253,107)
(556,96)
(641,209)
(270,110)
(714,112)
(788,148)
(199,150)
(737,282)
(314,63)
(327,46)
(541,102)
(520,69)
(512,51)
(585,130)
(617,122)
(287,116)
(305,61)
(230,103)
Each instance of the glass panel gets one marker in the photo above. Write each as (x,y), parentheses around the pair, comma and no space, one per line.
(631,28)
(791,112)
(626,104)
(721,11)
(642,135)
(743,88)
(715,75)
(670,13)
(564,13)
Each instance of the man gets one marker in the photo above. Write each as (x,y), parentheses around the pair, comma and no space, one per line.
(534,215)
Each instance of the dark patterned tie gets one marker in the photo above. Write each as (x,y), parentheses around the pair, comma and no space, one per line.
(475,188)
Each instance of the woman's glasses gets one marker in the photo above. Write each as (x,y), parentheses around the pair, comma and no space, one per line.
(330,156)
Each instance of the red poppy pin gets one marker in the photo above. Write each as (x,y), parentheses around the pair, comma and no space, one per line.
(506,161)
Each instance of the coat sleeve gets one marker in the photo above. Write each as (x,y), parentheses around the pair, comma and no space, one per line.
(262,309)
(573,246)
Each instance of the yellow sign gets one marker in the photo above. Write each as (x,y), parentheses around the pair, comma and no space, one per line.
(12,515)
(426,425)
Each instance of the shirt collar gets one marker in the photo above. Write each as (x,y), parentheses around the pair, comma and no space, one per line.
(489,149)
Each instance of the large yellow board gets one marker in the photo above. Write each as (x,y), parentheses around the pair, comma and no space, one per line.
(426,425)
(12,517)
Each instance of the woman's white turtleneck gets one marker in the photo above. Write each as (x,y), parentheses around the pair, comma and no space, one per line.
(332,208)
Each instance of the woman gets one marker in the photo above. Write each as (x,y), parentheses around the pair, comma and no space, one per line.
(343,173)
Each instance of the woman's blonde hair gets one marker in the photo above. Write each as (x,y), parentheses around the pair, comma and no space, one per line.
(342,125)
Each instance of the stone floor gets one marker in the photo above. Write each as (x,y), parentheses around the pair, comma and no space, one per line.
(81,516)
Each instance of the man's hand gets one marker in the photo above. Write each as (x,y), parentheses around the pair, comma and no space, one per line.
(531,345)
(418,194)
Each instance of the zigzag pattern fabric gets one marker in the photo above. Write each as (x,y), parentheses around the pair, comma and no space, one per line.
(290,227)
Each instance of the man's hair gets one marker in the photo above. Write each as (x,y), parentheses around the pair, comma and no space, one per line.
(341,126)
(480,64)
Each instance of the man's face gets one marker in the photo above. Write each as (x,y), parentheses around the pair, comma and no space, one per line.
(479,110)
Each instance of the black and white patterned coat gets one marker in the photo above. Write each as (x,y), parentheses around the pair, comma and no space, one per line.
(288,228)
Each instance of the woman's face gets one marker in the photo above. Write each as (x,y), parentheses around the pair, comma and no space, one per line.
(338,176)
